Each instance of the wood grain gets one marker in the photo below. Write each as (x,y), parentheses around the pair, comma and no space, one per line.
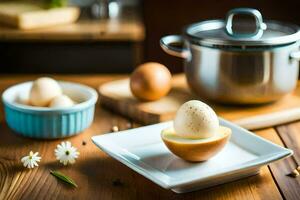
(289,186)
(98,175)
(117,96)
(290,135)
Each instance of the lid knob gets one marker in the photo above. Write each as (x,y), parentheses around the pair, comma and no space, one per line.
(260,26)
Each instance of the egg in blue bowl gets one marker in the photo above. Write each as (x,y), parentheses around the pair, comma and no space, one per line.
(47,109)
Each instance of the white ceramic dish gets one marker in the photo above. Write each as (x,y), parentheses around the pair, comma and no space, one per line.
(142,150)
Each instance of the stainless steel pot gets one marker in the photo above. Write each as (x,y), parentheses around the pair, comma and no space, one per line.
(238,60)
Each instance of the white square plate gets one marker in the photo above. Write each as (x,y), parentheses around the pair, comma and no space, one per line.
(142,150)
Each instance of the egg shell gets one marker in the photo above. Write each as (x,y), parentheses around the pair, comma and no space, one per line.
(198,149)
(43,90)
(62,101)
(150,81)
(195,119)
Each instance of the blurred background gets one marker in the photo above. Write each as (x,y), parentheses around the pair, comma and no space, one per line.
(112,36)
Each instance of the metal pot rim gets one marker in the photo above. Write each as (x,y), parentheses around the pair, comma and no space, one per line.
(240,43)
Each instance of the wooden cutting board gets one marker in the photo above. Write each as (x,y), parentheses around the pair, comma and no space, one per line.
(30,15)
(117,96)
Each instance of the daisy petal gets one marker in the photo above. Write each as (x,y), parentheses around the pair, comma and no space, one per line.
(66,153)
(31,160)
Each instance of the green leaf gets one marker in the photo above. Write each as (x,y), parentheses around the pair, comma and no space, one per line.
(63,178)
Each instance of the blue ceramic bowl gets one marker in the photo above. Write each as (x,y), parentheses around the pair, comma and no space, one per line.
(50,123)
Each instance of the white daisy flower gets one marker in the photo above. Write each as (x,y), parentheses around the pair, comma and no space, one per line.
(31,160)
(66,153)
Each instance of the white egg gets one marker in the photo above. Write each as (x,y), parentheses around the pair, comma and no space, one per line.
(195,119)
(43,90)
(62,101)
(22,98)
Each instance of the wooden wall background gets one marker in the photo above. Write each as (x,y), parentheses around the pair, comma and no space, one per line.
(160,17)
(66,57)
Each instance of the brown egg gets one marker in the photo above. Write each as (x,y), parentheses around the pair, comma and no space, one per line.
(150,81)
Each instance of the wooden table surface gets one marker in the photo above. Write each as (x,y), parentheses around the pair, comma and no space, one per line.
(100,177)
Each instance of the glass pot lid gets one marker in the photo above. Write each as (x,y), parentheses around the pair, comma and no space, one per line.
(242,28)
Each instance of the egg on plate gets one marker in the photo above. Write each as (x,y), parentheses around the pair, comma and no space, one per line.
(195,119)
(196,134)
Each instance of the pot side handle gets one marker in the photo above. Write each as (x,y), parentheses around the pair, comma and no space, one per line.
(173,45)
(295,55)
